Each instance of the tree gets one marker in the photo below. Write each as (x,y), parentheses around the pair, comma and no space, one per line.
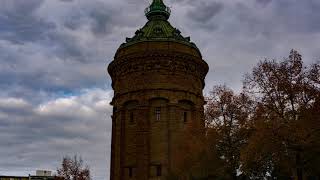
(269,131)
(228,125)
(286,120)
(73,169)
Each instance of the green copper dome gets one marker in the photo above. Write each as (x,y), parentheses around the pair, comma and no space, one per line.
(157,10)
(158,27)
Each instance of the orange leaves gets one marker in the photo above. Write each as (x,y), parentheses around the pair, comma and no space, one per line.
(272,129)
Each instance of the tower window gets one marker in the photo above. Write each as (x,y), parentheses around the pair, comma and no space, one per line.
(131,117)
(185,117)
(158,170)
(158,113)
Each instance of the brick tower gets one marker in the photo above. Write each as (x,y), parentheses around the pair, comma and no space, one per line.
(158,77)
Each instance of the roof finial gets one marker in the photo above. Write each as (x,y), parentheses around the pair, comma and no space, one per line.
(158,9)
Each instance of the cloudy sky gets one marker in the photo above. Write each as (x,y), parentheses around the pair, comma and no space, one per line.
(55,90)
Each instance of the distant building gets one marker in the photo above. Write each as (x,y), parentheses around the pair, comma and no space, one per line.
(14,178)
(40,175)
(43,173)
(27,177)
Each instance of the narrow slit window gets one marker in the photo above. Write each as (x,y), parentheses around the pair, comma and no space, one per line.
(130,172)
(185,117)
(131,117)
(159,170)
(158,113)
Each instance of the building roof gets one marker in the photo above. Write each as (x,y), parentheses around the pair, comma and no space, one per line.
(158,27)
(29,177)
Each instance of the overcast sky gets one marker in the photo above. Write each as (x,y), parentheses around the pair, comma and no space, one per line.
(55,90)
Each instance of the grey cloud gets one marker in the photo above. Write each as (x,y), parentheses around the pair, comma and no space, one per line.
(299,17)
(279,18)
(101,18)
(62,51)
(27,140)
(96,15)
(14,105)
(264,2)
(70,43)
(249,32)
(19,23)
(20,6)
(32,71)
(205,11)
(60,68)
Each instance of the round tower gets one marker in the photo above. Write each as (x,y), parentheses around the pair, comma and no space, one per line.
(158,77)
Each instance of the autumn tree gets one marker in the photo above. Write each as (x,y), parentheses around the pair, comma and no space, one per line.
(228,128)
(269,131)
(73,169)
(285,142)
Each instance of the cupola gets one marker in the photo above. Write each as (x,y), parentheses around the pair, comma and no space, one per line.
(158,28)
(157,10)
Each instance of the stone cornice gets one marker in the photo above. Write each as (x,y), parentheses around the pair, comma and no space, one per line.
(158,60)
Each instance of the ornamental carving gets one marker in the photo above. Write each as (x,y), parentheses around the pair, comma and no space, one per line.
(172,64)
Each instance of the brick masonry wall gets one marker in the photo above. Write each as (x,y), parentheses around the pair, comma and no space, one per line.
(146,77)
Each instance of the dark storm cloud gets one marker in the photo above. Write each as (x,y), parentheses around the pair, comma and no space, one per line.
(298,16)
(246,31)
(264,2)
(202,13)
(51,50)
(19,23)
(58,45)
(205,11)
(35,48)
(97,15)
(101,18)
(43,60)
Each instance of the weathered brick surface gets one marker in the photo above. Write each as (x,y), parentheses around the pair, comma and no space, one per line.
(145,77)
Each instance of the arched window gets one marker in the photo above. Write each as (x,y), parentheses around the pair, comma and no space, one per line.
(186,110)
(157,113)
(130,109)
